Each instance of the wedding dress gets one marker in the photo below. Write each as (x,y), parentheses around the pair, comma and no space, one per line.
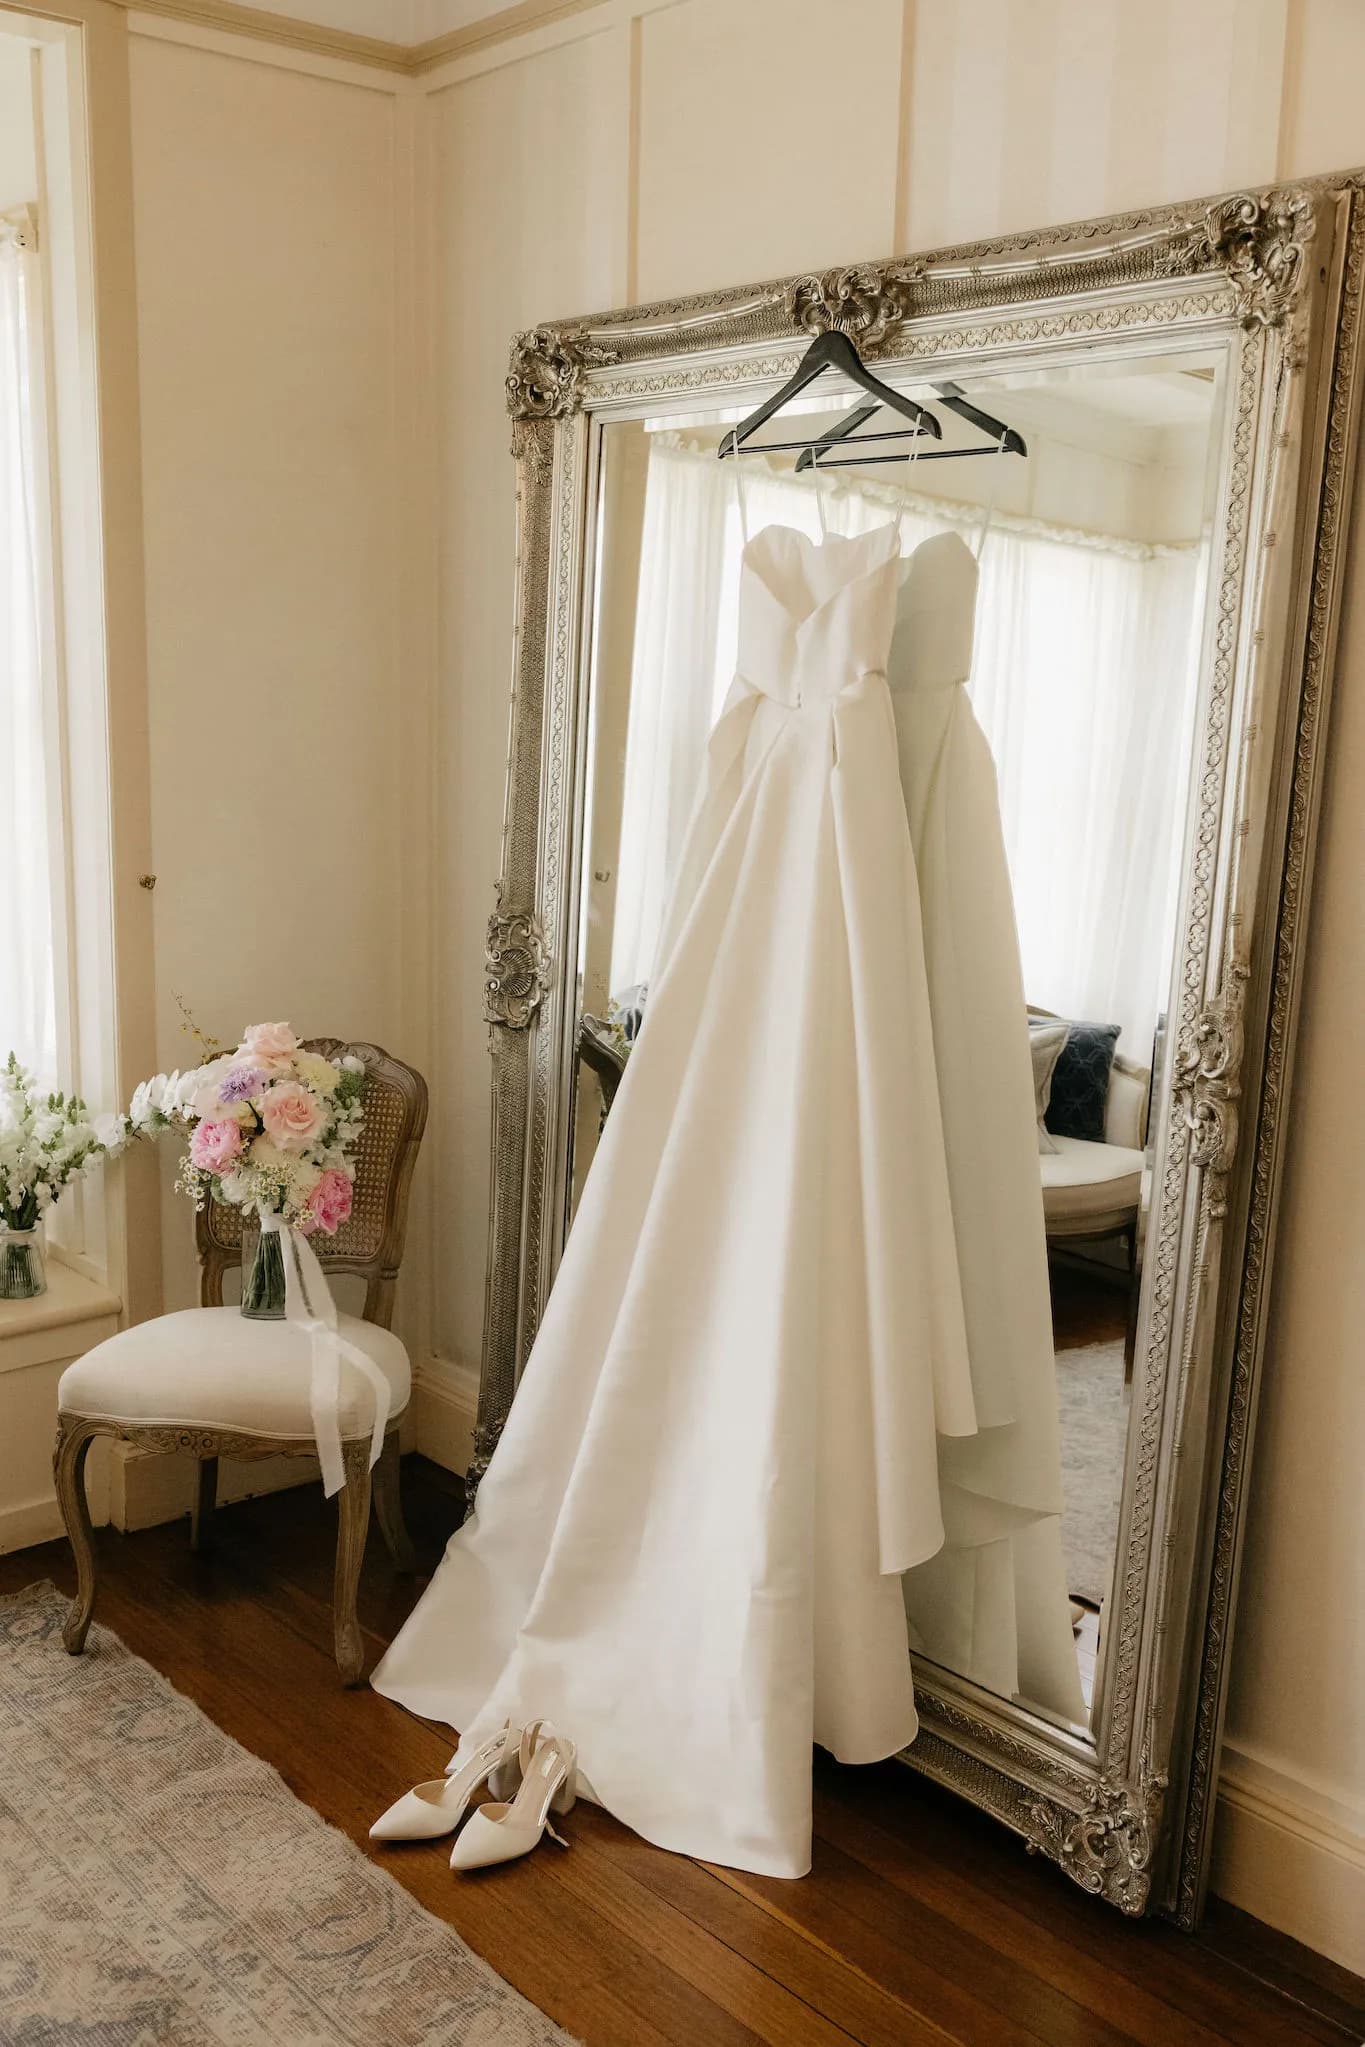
(993,1603)
(723,1453)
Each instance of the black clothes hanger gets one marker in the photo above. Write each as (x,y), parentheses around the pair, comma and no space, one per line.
(1003,440)
(832,350)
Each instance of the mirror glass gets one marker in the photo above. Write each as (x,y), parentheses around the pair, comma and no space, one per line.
(1089,607)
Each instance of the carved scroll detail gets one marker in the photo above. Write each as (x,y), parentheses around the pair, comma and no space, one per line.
(1262,244)
(516,969)
(1207,1079)
(868,300)
(545,373)
(486,1439)
(1107,1847)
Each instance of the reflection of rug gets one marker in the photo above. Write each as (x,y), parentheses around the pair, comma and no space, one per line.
(157,1883)
(1094,1415)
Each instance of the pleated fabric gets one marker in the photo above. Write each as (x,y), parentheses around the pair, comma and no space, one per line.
(993,1603)
(724,1451)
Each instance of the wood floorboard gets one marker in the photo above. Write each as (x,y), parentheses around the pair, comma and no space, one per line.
(921,1922)
(897,1937)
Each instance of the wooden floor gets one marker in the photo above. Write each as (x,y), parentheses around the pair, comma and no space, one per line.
(1087,1307)
(920,1921)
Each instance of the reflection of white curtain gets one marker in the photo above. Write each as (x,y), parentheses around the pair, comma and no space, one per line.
(683,555)
(1083,683)
(27,996)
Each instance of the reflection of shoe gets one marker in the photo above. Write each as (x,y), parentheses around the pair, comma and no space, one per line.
(437,1807)
(1078,1614)
(500,1832)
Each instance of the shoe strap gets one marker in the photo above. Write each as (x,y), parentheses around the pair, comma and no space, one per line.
(531,1737)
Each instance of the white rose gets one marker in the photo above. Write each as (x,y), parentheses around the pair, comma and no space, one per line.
(269,1045)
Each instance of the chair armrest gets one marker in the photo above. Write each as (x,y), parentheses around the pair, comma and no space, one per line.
(1125,1111)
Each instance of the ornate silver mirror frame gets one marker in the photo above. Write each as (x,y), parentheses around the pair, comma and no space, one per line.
(1275,277)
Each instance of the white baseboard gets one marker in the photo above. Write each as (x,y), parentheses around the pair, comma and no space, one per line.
(1292,1856)
(445,1399)
(29,1521)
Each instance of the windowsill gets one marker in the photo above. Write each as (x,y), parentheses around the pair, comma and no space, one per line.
(71,1298)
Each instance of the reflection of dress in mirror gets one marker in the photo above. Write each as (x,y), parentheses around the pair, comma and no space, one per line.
(687,1548)
(993,1603)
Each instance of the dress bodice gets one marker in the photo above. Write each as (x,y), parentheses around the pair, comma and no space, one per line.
(814,616)
(935,617)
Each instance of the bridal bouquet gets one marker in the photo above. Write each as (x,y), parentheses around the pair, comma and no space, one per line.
(272,1128)
(45,1141)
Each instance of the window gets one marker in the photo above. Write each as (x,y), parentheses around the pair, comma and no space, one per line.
(57,986)
(30,820)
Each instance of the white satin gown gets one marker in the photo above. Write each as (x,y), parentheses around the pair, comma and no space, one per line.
(723,1453)
(993,1602)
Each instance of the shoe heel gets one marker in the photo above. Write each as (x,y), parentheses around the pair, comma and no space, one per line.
(567,1794)
(504,1781)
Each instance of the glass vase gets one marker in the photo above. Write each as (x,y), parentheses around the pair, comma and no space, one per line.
(23,1269)
(263,1280)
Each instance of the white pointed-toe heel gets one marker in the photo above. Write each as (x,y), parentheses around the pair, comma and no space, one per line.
(501,1831)
(437,1807)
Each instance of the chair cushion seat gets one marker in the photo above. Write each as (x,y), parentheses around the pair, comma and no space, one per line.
(213,1368)
(1082,1179)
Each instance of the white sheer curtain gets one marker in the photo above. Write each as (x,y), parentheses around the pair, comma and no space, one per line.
(27,981)
(683,558)
(1083,682)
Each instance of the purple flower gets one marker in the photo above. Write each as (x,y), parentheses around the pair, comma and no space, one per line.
(241,1083)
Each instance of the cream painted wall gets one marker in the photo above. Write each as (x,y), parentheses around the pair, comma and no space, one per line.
(534,242)
(268,304)
(664,170)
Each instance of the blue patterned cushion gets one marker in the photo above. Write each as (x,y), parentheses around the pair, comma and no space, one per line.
(1080,1083)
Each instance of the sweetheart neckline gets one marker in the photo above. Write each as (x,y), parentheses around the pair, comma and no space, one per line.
(817,544)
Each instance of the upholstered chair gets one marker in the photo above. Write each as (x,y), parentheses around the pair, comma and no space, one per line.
(211,1382)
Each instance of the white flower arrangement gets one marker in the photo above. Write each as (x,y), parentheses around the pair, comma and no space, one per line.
(272,1128)
(45,1141)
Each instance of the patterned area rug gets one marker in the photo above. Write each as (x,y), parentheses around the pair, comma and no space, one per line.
(1093,1403)
(160,1887)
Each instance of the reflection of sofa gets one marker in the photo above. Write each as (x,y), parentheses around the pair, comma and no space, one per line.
(1093,1190)
(600,1048)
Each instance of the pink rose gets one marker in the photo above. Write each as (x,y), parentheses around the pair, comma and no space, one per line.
(329,1204)
(215,1144)
(271,1045)
(291,1115)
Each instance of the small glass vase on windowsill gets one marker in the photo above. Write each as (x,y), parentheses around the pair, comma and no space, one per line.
(23,1266)
(263,1280)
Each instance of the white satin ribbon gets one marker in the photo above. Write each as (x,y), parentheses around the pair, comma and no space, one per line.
(308,1304)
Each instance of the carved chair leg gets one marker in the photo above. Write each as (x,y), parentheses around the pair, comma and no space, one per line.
(205,1500)
(388,1505)
(74,1437)
(353,1520)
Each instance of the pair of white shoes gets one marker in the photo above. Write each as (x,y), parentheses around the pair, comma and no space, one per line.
(531,1772)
